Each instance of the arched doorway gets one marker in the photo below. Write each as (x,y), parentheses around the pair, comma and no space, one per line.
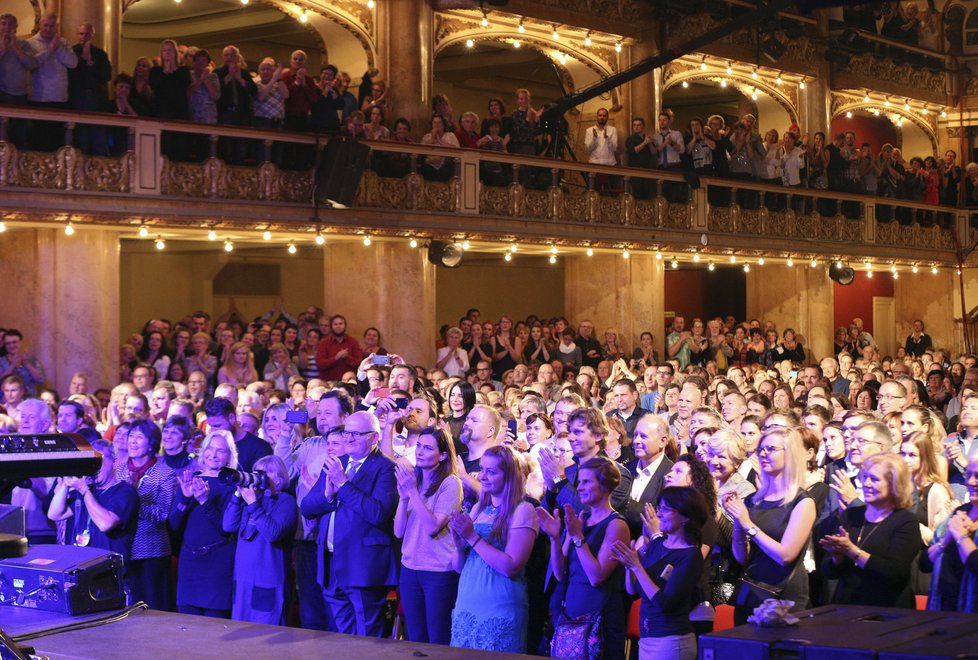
(704,97)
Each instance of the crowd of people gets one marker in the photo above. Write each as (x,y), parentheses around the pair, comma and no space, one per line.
(185,82)
(535,477)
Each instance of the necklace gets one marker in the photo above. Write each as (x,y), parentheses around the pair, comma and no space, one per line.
(859,538)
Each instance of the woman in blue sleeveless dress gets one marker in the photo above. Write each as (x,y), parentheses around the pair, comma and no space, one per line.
(492,548)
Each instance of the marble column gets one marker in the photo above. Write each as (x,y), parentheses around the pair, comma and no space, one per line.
(612,292)
(389,286)
(104,15)
(63,293)
(800,298)
(934,299)
(406,58)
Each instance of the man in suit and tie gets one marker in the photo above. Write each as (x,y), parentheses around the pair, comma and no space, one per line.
(648,469)
(358,495)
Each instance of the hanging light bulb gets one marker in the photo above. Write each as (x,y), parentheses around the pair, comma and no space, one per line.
(553,249)
(925,111)
(228,245)
(485,20)
(674,264)
(733,258)
(267,235)
(914,269)
(555,35)
(589,252)
(292,248)
(69,229)
(320,238)
(521,29)
(658,255)
(789,263)
(160,243)
(753,95)
(696,257)
(508,257)
(802,85)
(625,254)
(587,40)
(849,114)
(371,4)
(729,69)
(367,241)
(779,80)
(943,114)
(866,98)
(876,112)
(753,74)
(516,43)
(746,268)
(813,263)
(244,2)
(413,243)
(906,106)
(893,268)
(723,83)
(703,64)
(303,17)
(685,85)
(469,43)
(933,270)
(712,267)
(618,47)
(760,261)
(466,245)
(3,226)
(553,259)
(212,235)
(513,247)
(143,231)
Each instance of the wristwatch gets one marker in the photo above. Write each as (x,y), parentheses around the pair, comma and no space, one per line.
(752,531)
(577,542)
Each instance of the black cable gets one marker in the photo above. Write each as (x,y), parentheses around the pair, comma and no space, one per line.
(82,625)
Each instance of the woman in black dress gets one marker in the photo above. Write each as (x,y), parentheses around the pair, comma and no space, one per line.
(876,544)
(772,531)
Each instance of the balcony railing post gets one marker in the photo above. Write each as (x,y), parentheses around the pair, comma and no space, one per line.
(4,127)
(212,145)
(701,208)
(869,223)
(69,133)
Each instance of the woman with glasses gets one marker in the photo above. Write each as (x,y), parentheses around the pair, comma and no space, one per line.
(875,545)
(772,530)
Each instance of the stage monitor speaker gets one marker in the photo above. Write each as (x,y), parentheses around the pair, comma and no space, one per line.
(341,166)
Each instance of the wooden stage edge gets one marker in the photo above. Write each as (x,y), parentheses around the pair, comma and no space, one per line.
(150,634)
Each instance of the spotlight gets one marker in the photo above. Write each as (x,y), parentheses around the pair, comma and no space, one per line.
(773,48)
(842,274)
(160,243)
(228,245)
(367,241)
(267,235)
(444,254)
(143,231)
(69,229)
(212,235)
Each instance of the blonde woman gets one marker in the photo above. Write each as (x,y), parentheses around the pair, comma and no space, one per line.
(240,369)
(934,499)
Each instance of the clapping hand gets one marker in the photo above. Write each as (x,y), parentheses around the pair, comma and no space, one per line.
(334,471)
(650,520)
(839,544)
(186,480)
(549,524)
(407,483)
(842,484)
(201,490)
(308,480)
(737,510)
(960,525)
(626,554)
(575,526)
(461,525)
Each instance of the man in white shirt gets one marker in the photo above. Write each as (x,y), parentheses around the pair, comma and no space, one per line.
(601,141)
(649,467)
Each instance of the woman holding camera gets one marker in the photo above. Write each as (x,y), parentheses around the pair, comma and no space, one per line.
(429,493)
(264,517)
(207,553)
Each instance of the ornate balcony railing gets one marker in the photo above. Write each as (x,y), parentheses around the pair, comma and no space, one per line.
(542,199)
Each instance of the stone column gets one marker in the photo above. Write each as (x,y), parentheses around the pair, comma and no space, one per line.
(63,293)
(104,15)
(646,90)
(800,298)
(387,285)
(406,58)
(613,292)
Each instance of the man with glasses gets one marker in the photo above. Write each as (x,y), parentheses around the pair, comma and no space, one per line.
(483,374)
(892,397)
(868,439)
(358,495)
(663,374)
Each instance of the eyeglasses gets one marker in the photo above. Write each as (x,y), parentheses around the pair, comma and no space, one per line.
(888,397)
(768,449)
(357,434)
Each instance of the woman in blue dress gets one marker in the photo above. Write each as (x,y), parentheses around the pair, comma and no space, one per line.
(492,548)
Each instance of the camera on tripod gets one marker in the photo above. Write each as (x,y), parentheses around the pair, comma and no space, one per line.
(257,480)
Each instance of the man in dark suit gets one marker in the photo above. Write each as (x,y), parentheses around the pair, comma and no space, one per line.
(358,495)
(625,396)
(648,469)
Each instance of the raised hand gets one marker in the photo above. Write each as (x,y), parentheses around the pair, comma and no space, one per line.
(549,524)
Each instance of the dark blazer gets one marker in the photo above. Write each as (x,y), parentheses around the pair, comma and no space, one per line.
(632,421)
(363,535)
(565,491)
(633,512)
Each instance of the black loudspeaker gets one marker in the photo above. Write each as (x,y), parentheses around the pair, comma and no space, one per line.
(448,255)
(341,166)
(841,273)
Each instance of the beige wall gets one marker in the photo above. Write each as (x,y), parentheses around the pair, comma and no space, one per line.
(799,298)
(524,286)
(174,283)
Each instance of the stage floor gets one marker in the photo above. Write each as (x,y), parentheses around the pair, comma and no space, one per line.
(160,635)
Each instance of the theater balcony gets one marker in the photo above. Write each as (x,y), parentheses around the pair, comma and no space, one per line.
(537,201)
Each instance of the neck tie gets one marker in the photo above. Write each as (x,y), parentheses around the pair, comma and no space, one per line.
(663,155)
(351,470)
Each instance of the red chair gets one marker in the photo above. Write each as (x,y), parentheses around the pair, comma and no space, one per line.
(632,632)
(723,618)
